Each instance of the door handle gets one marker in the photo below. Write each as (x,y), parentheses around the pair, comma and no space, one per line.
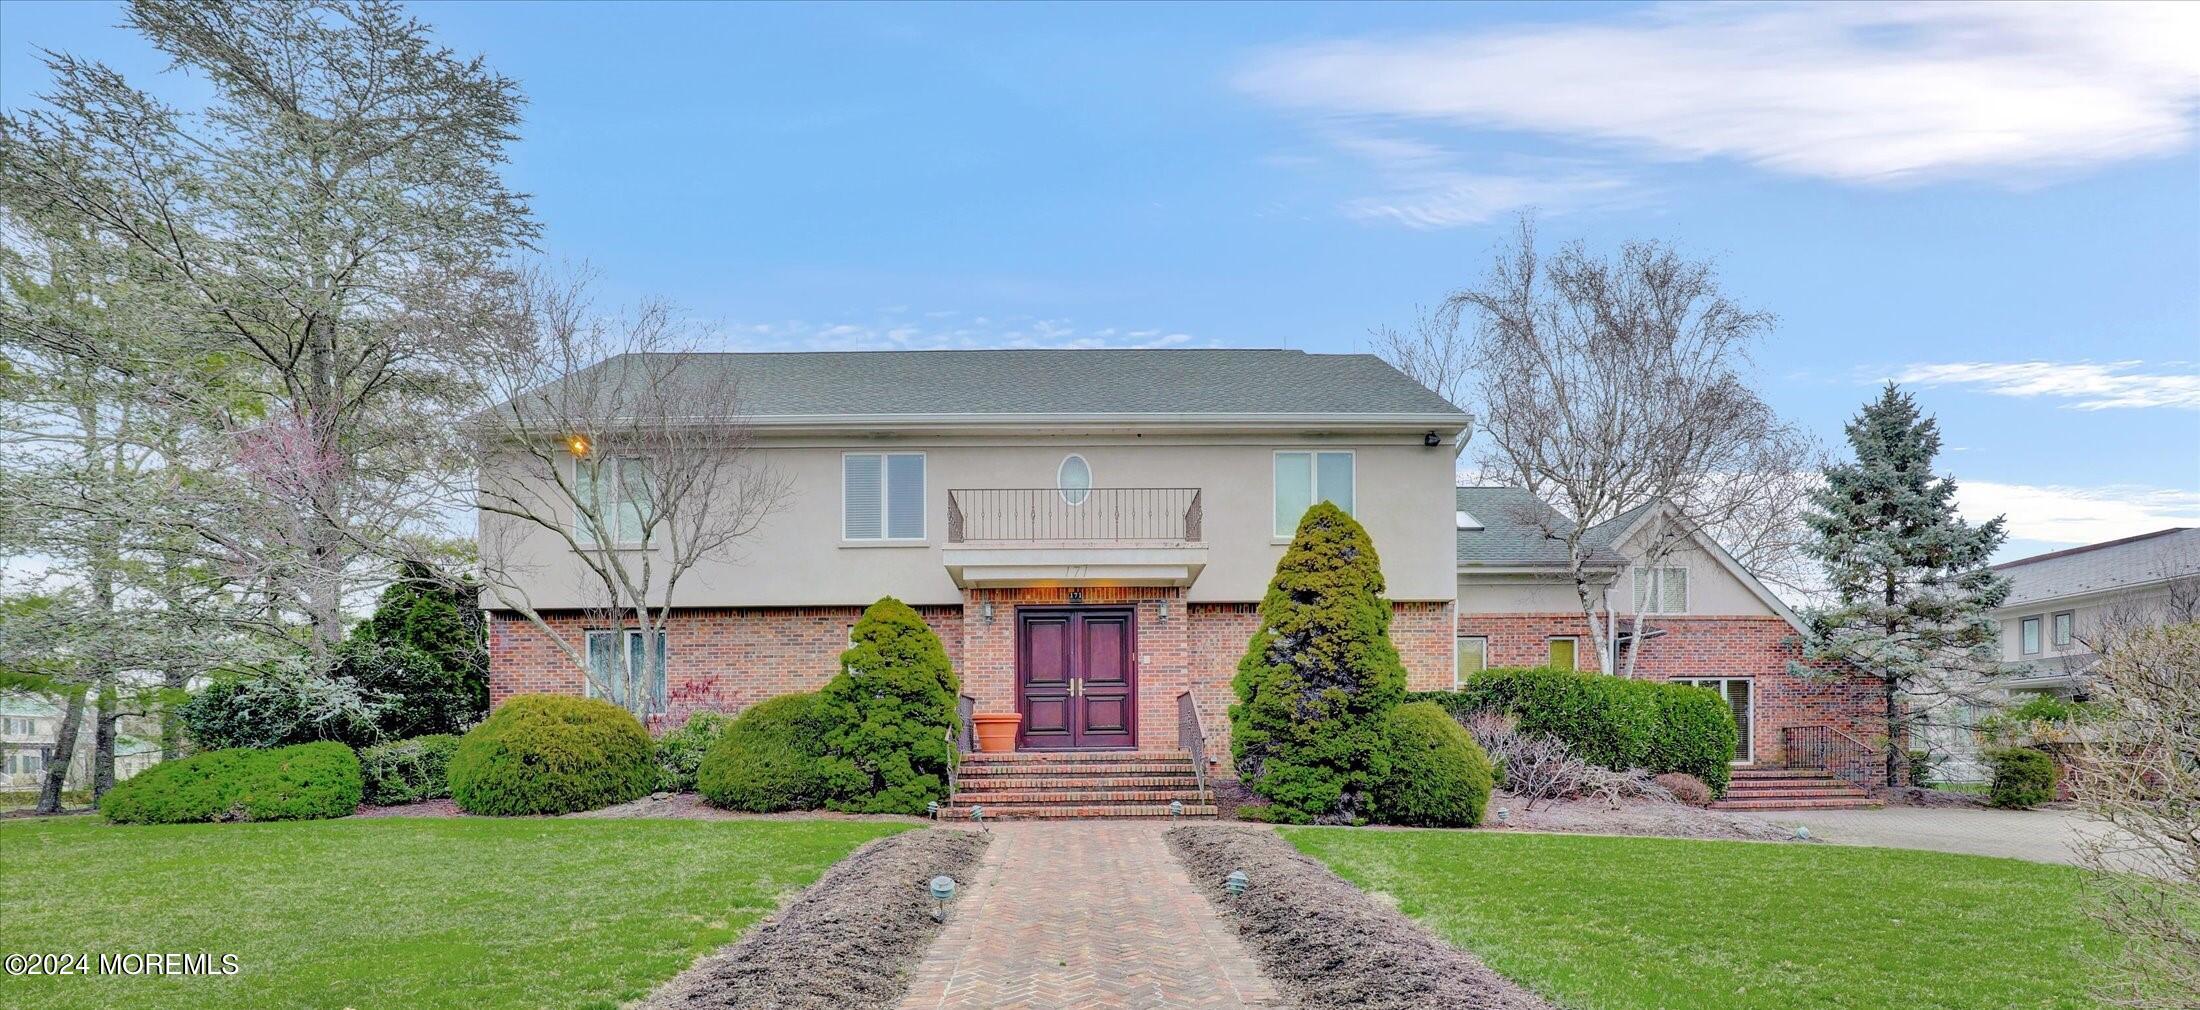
(1076,686)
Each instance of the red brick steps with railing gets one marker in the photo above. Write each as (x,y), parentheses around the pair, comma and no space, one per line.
(1791,789)
(1043,785)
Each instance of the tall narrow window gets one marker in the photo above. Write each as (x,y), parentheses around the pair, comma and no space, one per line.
(2065,628)
(1303,478)
(619,663)
(1661,590)
(2028,636)
(1474,657)
(618,489)
(1736,692)
(882,496)
(1563,652)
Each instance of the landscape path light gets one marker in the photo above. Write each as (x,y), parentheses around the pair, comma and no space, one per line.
(1236,882)
(943,891)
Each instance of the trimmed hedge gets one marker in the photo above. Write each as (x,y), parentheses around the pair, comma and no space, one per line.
(887,715)
(768,760)
(2023,778)
(553,754)
(303,782)
(1607,720)
(1439,777)
(408,771)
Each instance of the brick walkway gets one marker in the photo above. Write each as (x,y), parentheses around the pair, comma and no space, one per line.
(1085,914)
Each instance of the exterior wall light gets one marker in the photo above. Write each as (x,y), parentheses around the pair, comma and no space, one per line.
(1236,883)
(985,611)
(579,445)
(1164,612)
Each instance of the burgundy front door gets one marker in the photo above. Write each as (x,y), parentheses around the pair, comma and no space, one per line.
(1075,681)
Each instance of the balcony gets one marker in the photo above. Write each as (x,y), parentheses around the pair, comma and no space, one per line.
(1130,536)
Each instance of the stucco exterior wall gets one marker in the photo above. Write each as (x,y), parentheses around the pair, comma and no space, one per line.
(796,557)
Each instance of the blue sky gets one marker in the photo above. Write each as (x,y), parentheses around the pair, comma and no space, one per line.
(2000,204)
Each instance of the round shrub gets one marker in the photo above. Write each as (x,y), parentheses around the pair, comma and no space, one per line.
(552,754)
(680,752)
(2023,778)
(1439,777)
(767,760)
(1695,734)
(887,715)
(408,771)
(305,782)
(1686,789)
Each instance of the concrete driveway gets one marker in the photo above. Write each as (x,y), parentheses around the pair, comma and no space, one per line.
(2042,836)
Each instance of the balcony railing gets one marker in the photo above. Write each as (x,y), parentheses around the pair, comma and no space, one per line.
(1033,515)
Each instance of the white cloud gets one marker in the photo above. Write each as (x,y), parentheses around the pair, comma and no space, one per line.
(2077,515)
(1880,93)
(1428,187)
(2084,385)
(941,331)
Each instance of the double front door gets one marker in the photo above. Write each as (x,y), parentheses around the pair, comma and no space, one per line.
(1076,681)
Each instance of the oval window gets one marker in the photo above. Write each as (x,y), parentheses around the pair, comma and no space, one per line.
(1075,480)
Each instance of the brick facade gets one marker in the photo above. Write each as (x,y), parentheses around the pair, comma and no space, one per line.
(727,660)
(1754,647)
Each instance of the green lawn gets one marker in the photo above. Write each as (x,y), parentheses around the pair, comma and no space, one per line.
(397,912)
(1638,923)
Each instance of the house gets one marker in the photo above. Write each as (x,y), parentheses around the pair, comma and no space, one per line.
(2060,603)
(2052,624)
(30,728)
(1089,532)
(1700,617)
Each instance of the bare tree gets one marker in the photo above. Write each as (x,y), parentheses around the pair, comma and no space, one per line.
(1611,385)
(1435,354)
(611,454)
(2139,771)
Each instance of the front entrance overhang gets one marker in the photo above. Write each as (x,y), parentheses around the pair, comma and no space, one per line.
(979,566)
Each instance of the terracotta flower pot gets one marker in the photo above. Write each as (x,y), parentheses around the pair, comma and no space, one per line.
(996,731)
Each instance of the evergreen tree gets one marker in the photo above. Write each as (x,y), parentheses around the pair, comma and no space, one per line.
(889,713)
(1319,678)
(424,649)
(1909,577)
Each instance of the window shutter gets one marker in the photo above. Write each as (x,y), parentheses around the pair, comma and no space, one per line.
(905,496)
(862,507)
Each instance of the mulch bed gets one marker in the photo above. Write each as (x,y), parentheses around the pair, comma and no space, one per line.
(847,943)
(668,806)
(1647,818)
(1913,796)
(1325,942)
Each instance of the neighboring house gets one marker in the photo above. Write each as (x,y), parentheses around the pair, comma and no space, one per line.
(29,734)
(2060,603)
(1089,532)
(1704,619)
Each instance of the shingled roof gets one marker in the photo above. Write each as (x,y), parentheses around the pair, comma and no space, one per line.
(1174,382)
(2115,564)
(1512,526)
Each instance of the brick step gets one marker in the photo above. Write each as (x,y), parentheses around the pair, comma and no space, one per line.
(1043,780)
(1820,803)
(1120,768)
(1738,785)
(1073,756)
(1026,811)
(1172,786)
(1077,797)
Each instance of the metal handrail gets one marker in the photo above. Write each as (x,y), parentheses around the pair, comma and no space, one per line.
(1022,515)
(963,737)
(1831,749)
(1191,737)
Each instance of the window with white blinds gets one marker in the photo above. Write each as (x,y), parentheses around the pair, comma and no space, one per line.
(1661,590)
(882,496)
(618,489)
(1303,478)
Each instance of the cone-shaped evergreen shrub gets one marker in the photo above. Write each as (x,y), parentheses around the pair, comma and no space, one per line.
(1439,777)
(1319,678)
(552,754)
(768,760)
(887,716)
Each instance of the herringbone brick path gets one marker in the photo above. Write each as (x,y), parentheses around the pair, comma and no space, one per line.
(1085,914)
